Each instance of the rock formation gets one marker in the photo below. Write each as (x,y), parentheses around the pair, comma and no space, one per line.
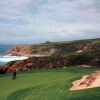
(31,50)
(51,55)
(20,50)
(58,49)
(37,64)
(42,63)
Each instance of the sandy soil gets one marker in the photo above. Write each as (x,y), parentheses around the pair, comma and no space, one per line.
(87,81)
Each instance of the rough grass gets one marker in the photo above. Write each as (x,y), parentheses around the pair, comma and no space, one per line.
(47,85)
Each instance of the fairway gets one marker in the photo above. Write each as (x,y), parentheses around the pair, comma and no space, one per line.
(47,85)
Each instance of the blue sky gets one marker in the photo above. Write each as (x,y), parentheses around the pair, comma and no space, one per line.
(35,21)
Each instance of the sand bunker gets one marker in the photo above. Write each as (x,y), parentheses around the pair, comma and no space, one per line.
(87,81)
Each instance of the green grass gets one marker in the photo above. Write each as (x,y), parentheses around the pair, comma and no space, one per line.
(47,85)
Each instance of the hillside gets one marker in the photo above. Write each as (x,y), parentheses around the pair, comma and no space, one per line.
(56,48)
(55,55)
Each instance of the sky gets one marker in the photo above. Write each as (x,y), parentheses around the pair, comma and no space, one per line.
(37,21)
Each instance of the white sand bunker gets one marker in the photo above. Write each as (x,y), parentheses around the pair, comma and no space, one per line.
(87,81)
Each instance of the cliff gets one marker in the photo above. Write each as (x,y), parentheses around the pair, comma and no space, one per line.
(56,48)
(43,63)
(55,55)
(31,50)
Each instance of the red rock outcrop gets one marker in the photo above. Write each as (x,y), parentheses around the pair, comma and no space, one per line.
(59,55)
(37,64)
(58,49)
(31,50)
(21,50)
(3,69)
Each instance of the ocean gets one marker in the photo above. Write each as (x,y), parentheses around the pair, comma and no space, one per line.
(5,58)
(4,47)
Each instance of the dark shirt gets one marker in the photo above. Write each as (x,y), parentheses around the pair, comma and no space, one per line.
(14,73)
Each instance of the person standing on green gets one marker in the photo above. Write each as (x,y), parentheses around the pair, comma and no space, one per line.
(14,74)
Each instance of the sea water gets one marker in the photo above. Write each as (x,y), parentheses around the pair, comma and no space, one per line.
(4,47)
(7,58)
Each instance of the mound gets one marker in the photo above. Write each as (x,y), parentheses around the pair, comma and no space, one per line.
(87,81)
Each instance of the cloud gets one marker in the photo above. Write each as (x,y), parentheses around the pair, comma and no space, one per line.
(34,21)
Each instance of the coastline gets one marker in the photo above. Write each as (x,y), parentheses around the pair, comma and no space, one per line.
(5,58)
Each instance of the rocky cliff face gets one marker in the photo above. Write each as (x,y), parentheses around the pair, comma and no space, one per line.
(59,55)
(60,49)
(67,48)
(38,63)
(34,64)
(33,50)
(20,50)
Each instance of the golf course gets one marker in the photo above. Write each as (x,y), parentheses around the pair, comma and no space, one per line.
(51,84)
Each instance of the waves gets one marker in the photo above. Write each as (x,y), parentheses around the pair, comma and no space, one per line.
(7,58)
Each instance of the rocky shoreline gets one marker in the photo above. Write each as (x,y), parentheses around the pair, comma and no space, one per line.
(38,63)
(54,55)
